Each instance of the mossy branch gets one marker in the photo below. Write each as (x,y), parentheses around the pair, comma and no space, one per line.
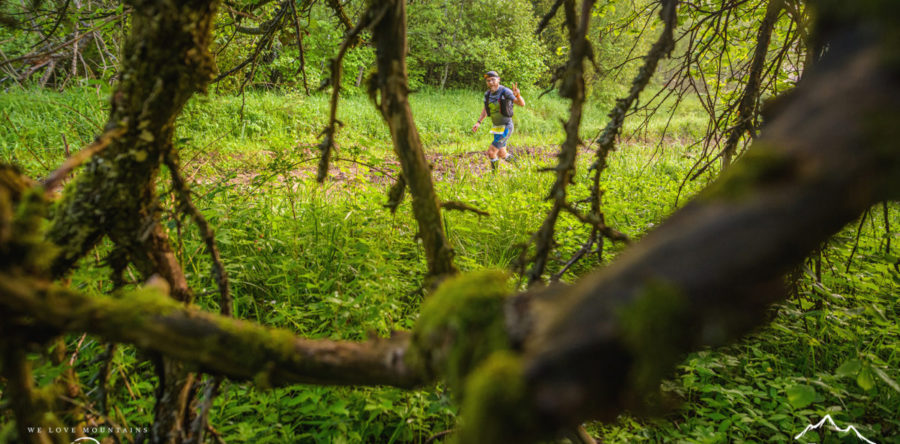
(390,84)
(462,206)
(709,273)
(211,343)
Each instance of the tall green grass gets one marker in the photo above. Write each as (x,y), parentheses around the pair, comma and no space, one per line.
(328,261)
(34,122)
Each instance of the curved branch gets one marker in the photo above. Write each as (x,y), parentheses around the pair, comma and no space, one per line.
(607,140)
(717,263)
(337,68)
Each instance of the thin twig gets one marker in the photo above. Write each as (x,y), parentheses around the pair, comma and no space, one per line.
(439,435)
(220,276)
(302,68)
(329,133)
(102,141)
(462,206)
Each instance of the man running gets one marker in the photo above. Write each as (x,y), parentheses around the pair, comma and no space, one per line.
(498,103)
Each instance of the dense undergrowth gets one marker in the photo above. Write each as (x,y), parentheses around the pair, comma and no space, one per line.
(328,261)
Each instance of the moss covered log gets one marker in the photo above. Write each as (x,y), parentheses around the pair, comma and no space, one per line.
(460,325)
(710,272)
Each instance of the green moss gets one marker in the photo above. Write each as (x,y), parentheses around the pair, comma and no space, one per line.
(655,329)
(496,405)
(29,228)
(460,325)
(760,165)
(143,305)
(262,344)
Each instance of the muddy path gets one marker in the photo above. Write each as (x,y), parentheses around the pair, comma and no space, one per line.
(245,169)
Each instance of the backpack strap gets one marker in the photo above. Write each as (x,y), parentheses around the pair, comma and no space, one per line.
(505,104)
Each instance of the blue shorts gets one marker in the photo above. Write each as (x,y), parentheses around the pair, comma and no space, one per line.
(500,139)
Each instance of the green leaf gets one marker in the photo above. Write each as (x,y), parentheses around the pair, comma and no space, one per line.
(801,395)
(864,379)
(848,369)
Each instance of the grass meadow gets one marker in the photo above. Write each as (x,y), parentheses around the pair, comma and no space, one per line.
(329,261)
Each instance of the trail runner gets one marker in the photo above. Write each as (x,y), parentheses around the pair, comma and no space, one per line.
(498,103)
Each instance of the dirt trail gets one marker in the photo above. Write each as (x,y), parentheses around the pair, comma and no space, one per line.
(347,171)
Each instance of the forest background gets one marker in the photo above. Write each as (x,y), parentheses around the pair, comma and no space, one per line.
(329,261)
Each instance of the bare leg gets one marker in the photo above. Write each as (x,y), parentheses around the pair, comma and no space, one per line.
(492,154)
(503,154)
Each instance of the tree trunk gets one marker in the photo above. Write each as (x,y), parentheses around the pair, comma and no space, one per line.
(166,60)
(444,75)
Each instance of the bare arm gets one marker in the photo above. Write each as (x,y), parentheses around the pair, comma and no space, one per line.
(519,100)
(480,118)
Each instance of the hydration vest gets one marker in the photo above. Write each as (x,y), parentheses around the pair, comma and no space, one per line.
(506,105)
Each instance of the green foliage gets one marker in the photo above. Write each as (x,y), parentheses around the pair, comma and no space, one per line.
(457,42)
(36,125)
(326,261)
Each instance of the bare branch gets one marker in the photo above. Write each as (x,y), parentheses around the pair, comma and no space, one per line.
(56,177)
(747,107)
(220,276)
(572,87)
(462,206)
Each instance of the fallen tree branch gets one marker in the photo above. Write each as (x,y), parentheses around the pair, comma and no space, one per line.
(211,343)
(717,263)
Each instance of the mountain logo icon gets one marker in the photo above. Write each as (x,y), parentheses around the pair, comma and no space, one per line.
(830,421)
